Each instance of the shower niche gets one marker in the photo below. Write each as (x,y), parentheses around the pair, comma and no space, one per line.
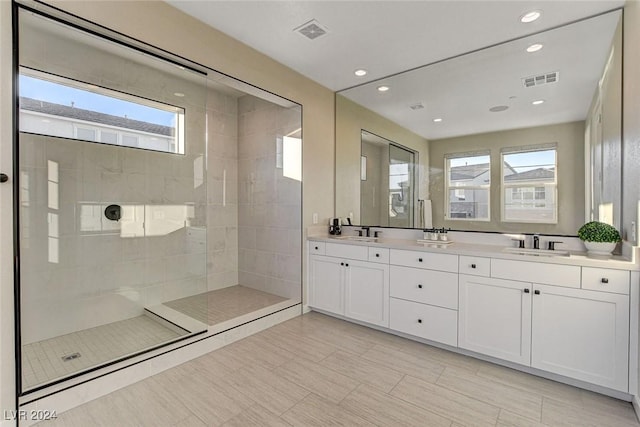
(158,200)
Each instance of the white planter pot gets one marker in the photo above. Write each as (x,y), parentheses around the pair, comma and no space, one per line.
(599,249)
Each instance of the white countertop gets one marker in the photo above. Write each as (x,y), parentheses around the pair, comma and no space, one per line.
(492,251)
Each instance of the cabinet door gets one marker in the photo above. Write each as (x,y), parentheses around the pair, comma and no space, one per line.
(326,285)
(581,334)
(367,292)
(494,317)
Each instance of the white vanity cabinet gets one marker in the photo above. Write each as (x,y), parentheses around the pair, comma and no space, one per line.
(565,319)
(495,317)
(578,333)
(344,283)
(424,295)
(581,334)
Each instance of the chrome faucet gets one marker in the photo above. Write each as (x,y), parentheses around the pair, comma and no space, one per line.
(536,241)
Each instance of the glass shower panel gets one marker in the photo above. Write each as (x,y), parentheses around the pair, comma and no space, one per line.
(113,200)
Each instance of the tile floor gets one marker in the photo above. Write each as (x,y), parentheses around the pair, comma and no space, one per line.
(42,360)
(218,306)
(315,370)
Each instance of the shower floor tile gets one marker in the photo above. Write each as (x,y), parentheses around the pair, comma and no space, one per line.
(224,304)
(42,361)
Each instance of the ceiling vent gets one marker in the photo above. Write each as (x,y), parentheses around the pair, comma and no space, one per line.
(417,106)
(312,29)
(541,79)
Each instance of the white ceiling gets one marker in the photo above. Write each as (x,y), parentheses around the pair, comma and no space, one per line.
(390,37)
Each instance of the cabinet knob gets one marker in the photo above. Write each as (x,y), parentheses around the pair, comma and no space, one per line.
(419,286)
(536,292)
(526,290)
(4,177)
(419,259)
(316,248)
(419,320)
(377,255)
(342,263)
(604,280)
(473,266)
(346,265)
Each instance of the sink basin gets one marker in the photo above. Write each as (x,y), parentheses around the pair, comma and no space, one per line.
(357,238)
(535,252)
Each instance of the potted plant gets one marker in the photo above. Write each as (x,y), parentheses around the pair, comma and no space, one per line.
(599,238)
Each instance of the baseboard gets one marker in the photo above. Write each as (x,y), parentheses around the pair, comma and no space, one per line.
(636,406)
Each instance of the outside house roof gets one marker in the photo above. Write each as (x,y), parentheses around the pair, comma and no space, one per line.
(60,110)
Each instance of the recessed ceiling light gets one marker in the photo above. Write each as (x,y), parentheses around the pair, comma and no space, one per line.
(498,108)
(538,102)
(534,47)
(530,16)
(179,94)
(360,72)
(438,120)
(383,88)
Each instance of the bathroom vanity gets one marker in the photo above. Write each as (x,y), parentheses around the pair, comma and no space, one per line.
(563,317)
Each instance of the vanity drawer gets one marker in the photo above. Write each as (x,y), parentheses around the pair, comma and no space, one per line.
(317,248)
(606,280)
(379,255)
(347,251)
(536,272)
(424,321)
(475,266)
(442,262)
(425,286)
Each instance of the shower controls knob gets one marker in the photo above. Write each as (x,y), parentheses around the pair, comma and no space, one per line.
(113,212)
(4,177)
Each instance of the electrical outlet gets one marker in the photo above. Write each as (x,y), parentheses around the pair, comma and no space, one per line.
(315,218)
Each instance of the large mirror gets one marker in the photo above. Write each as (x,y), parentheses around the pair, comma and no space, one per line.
(523,136)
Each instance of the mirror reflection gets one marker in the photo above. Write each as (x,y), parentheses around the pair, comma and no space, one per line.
(387,189)
(507,138)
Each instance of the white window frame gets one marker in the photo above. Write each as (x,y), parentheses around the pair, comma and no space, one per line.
(447,188)
(504,186)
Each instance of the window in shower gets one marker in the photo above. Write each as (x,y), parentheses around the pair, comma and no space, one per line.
(67,108)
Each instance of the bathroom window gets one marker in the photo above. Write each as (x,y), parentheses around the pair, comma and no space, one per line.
(529,185)
(468,180)
(56,106)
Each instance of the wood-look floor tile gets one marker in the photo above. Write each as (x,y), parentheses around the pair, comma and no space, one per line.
(385,410)
(256,416)
(363,370)
(153,403)
(112,410)
(269,390)
(318,379)
(76,417)
(599,402)
(300,346)
(523,381)
(528,404)
(214,401)
(509,419)
(314,411)
(406,363)
(191,421)
(256,350)
(449,404)
(555,413)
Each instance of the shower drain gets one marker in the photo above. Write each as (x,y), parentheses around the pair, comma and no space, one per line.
(70,357)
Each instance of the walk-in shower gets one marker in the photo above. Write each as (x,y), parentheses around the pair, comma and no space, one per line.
(157,200)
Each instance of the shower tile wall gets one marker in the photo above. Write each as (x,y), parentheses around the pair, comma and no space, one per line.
(269,204)
(222,198)
(79,269)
